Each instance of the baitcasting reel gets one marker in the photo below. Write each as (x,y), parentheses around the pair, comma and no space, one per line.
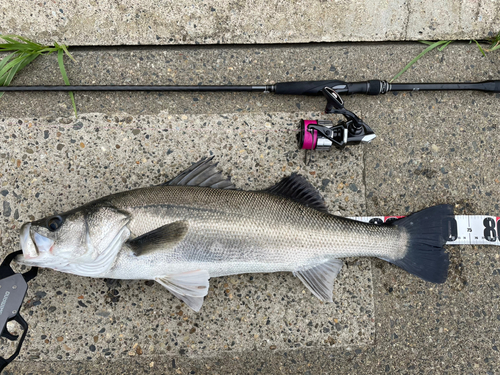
(323,134)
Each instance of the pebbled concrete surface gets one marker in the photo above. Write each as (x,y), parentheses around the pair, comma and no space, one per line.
(93,156)
(431,148)
(261,65)
(162,22)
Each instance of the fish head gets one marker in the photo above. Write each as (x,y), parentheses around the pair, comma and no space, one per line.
(78,236)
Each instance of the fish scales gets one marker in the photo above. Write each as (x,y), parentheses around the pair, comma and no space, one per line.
(197,226)
(232,232)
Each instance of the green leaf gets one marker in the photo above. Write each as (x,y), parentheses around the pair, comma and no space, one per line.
(60,55)
(24,51)
(6,59)
(16,45)
(494,46)
(445,45)
(11,74)
(420,55)
(47,50)
(480,48)
(7,79)
(60,59)
(28,43)
(67,52)
(495,43)
(11,64)
(27,58)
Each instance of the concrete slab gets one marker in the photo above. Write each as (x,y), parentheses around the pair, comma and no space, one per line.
(162,22)
(52,166)
(419,327)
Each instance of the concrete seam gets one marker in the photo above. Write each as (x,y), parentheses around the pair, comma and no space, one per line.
(407,22)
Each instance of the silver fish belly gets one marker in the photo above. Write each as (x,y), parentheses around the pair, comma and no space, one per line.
(197,226)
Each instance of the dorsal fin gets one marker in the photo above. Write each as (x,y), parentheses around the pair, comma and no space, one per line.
(204,173)
(298,189)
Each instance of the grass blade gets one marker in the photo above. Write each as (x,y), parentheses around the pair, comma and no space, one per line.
(5,60)
(60,55)
(24,51)
(47,50)
(11,74)
(444,46)
(67,52)
(27,43)
(420,55)
(11,64)
(60,59)
(14,47)
(28,60)
(480,48)
(7,79)
(495,43)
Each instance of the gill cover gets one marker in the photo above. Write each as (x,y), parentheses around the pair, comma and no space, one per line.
(85,242)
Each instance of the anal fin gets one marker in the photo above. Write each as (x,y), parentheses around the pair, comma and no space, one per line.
(194,302)
(189,287)
(319,279)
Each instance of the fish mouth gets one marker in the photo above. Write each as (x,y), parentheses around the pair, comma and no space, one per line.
(33,243)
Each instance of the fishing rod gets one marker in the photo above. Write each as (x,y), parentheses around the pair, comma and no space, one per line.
(313,134)
(372,87)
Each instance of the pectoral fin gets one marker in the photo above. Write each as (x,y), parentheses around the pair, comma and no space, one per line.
(161,238)
(319,279)
(189,287)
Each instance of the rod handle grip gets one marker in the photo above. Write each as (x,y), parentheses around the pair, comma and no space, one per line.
(308,87)
(492,86)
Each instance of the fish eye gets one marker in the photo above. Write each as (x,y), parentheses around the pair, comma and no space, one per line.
(54,223)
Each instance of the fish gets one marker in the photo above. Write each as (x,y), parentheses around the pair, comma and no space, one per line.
(199,226)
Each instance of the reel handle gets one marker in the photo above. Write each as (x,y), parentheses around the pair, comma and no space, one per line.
(322,135)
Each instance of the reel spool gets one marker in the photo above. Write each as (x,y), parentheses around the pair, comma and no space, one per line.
(323,134)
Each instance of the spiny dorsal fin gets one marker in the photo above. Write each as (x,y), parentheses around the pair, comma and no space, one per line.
(297,188)
(319,279)
(204,173)
(160,239)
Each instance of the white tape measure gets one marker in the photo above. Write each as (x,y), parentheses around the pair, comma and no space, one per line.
(460,230)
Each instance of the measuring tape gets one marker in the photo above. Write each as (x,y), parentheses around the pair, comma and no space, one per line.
(458,230)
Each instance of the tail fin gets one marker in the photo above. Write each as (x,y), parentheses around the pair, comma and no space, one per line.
(426,257)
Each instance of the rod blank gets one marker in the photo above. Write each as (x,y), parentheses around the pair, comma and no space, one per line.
(133,88)
(372,87)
